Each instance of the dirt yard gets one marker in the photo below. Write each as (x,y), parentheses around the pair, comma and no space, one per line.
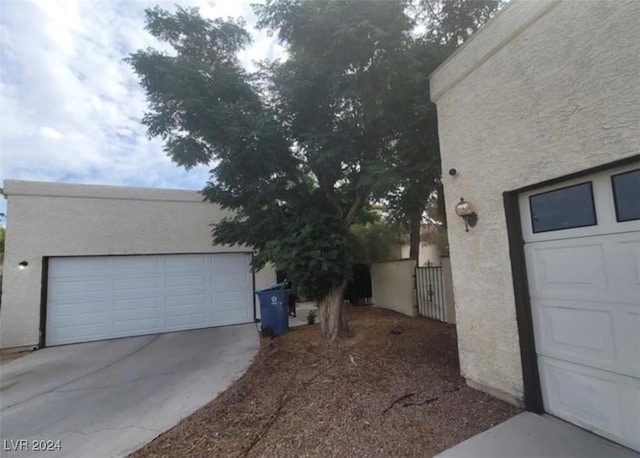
(392,389)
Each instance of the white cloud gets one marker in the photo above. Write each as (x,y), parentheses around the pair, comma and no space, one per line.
(70,107)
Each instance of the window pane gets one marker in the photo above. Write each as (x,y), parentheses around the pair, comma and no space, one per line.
(626,193)
(563,208)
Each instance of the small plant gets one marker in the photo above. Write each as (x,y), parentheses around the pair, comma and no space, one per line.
(311,317)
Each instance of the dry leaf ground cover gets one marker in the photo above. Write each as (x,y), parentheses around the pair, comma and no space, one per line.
(392,389)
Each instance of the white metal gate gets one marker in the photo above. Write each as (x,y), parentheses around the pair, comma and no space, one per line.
(430,292)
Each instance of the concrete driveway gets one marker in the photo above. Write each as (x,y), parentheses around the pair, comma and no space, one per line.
(108,398)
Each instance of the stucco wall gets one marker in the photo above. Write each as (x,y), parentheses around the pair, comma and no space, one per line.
(427,253)
(449,298)
(546,89)
(54,219)
(393,285)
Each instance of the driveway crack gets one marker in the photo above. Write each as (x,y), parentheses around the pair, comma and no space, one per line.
(114,385)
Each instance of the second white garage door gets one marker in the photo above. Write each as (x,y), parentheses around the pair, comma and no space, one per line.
(582,247)
(103,297)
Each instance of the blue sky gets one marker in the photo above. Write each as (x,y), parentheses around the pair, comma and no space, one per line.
(70,108)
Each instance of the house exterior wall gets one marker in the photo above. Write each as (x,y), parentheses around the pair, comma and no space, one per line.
(449,298)
(54,219)
(393,285)
(545,89)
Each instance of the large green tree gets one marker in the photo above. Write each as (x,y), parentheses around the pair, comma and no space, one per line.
(450,23)
(300,147)
(447,24)
(297,149)
(418,163)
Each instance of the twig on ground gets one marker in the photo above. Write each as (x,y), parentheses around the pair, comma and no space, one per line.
(401,398)
(281,403)
(430,400)
(196,445)
(421,403)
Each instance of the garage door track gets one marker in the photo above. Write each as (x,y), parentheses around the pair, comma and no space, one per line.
(108,398)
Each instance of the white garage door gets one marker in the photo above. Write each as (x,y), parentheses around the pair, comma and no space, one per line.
(582,248)
(102,297)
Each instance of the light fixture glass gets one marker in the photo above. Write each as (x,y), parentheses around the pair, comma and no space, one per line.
(22,265)
(465,211)
(463,208)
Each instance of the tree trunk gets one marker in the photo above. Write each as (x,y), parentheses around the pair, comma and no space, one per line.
(332,320)
(414,236)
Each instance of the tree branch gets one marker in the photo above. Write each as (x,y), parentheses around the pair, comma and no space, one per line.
(356,206)
(401,398)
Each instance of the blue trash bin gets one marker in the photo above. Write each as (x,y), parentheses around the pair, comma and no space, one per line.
(274,310)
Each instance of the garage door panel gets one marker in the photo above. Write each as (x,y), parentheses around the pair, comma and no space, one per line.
(229,262)
(123,265)
(69,286)
(153,304)
(229,316)
(566,271)
(591,334)
(185,263)
(137,326)
(226,301)
(586,333)
(72,267)
(230,281)
(584,286)
(136,299)
(585,396)
(181,321)
(632,248)
(74,328)
(626,276)
(85,332)
(193,279)
(189,309)
(629,324)
(80,297)
(79,308)
(103,297)
(185,300)
(137,282)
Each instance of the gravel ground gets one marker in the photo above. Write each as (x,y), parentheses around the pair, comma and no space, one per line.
(392,389)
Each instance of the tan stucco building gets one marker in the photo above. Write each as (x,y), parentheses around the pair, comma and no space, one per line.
(86,262)
(539,122)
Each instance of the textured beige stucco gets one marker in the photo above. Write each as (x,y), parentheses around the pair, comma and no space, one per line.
(54,219)
(546,89)
(449,299)
(393,285)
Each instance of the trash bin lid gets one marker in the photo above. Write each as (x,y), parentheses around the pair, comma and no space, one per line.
(272,287)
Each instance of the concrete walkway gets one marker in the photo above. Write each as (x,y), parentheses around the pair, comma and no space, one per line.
(528,435)
(302,311)
(108,398)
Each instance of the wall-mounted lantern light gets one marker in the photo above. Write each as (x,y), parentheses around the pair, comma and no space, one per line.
(465,211)
(22,265)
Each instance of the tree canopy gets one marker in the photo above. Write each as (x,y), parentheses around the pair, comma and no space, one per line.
(299,148)
(448,24)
